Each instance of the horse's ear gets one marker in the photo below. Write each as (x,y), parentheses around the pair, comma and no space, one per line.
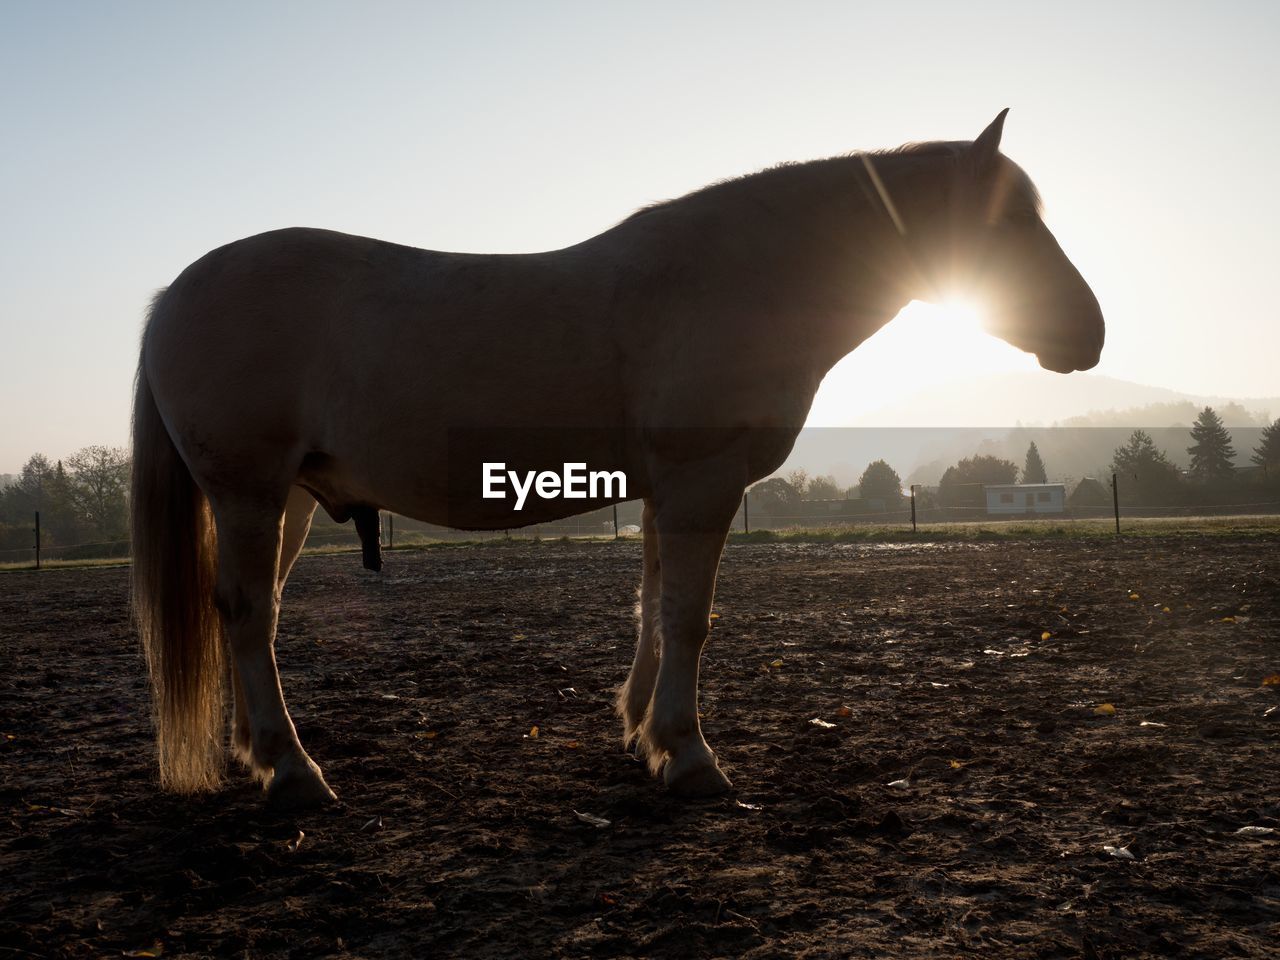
(983,152)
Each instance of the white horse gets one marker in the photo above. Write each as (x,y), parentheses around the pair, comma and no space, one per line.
(683,347)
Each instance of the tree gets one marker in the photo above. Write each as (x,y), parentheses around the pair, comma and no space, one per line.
(962,484)
(99,478)
(1033,469)
(31,490)
(1089,493)
(774,498)
(1153,477)
(823,488)
(1267,453)
(1212,453)
(799,481)
(46,488)
(880,481)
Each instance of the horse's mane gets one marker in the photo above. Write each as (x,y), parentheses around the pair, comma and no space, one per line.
(1017,182)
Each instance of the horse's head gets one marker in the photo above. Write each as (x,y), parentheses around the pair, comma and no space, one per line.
(1001,252)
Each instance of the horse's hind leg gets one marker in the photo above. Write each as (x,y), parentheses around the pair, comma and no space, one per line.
(297,523)
(692,523)
(634,697)
(249,560)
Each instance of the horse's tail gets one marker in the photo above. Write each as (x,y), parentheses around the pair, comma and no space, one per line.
(173,580)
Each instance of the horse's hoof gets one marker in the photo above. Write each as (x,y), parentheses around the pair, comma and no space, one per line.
(701,781)
(298,786)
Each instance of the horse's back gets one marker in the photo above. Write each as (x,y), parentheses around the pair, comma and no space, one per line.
(364,355)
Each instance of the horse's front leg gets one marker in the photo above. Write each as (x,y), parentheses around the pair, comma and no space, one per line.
(637,692)
(691,527)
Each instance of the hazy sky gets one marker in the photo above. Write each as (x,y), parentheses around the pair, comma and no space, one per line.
(137,136)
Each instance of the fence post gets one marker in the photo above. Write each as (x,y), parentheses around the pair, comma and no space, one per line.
(1115,501)
(37,539)
(746,515)
(913,508)
(616,535)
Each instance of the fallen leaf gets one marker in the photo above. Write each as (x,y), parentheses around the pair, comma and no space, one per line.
(572,745)
(844,712)
(1120,853)
(1165,610)
(517,636)
(956,764)
(749,806)
(1271,681)
(776,663)
(592,820)
(152,951)
(1046,635)
(1105,709)
(1134,596)
(819,722)
(1227,620)
(1255,831)
(714,616)
(533,733)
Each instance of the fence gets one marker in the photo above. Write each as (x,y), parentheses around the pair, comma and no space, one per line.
(624,518)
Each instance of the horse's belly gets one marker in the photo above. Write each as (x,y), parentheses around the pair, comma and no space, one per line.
(483,478)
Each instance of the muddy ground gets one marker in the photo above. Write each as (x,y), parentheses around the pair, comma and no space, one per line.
(958,796)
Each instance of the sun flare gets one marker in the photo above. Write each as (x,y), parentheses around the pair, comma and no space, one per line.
(925,347)
(957,314)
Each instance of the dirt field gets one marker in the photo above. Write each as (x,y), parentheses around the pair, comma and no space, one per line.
(958,796)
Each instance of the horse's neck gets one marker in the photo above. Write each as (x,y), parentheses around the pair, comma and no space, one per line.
(867,263)
(809,258)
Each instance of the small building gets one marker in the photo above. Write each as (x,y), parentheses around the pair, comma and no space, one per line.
(1004,499)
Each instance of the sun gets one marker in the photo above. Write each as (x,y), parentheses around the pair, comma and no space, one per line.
(927,346)
(958,315)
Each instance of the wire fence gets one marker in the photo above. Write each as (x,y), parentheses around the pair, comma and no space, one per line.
(402,532)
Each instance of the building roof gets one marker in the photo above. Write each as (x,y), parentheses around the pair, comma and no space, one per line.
(1024,486)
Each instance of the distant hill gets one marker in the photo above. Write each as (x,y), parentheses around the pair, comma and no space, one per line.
(1044,399)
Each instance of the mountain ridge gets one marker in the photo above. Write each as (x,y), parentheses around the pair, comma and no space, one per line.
(1043,399)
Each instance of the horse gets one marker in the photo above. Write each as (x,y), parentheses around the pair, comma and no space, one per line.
(683,347)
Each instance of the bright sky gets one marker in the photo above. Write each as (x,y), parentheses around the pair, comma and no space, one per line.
(137,136)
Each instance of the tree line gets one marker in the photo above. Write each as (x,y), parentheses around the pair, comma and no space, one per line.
(1146,476)
(1149,478)
(879,488)
(82,500)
